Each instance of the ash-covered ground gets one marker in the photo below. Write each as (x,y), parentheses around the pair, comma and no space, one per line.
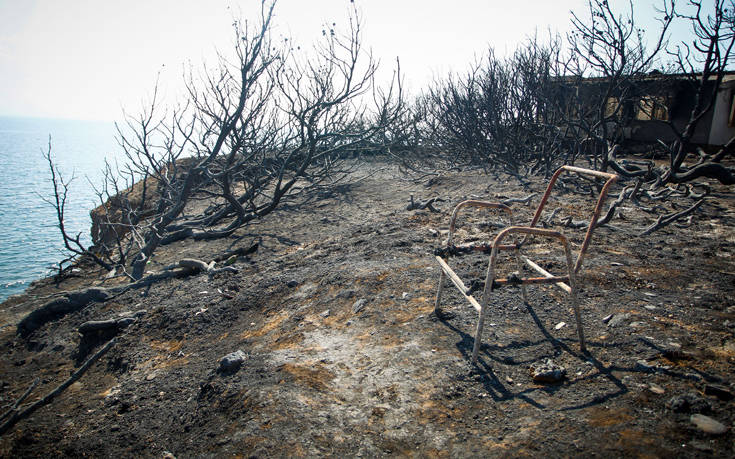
(343,356)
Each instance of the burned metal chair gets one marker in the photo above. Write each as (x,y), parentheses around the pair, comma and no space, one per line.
(567,281)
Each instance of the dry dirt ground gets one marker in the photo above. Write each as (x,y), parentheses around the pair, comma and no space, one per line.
(392,379)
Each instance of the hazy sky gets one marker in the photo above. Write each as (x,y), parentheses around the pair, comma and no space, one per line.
(89,59)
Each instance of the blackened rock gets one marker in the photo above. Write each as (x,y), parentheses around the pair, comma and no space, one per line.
(547,372)
(231,362)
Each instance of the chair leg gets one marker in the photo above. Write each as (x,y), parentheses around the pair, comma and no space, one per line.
(439,289)
(578,318)
(478,330)
(524,293)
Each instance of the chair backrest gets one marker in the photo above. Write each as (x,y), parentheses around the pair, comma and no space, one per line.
(611,179)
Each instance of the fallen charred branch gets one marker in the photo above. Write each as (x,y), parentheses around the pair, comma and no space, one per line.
(421,205)
(525,201)
(78,300)
(712,170)
(200,266)
(13,408)
(16,414)
(664,220)
(629,170)
(239,252)
(71,302)
(111,324)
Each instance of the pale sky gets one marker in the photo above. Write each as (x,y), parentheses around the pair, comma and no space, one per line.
(89,59)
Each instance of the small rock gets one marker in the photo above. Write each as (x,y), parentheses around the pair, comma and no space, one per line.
(325,313)
(167,455)
(721,392)
(406,296)
(231,362)
(547,372)
(650,307)
(618,319)
(656,389)
(707,424)
(688,403)
(358,305)
(560,325)
(607,318)
(292,283)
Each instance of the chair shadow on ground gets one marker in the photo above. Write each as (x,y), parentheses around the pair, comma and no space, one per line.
(492,354)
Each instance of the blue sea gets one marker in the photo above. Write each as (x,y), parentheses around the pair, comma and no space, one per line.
(30,244)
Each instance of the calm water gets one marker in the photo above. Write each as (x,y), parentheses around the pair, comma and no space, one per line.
(30,243)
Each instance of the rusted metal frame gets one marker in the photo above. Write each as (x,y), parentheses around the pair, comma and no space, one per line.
(452,225)
(611,179)
(491,277)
